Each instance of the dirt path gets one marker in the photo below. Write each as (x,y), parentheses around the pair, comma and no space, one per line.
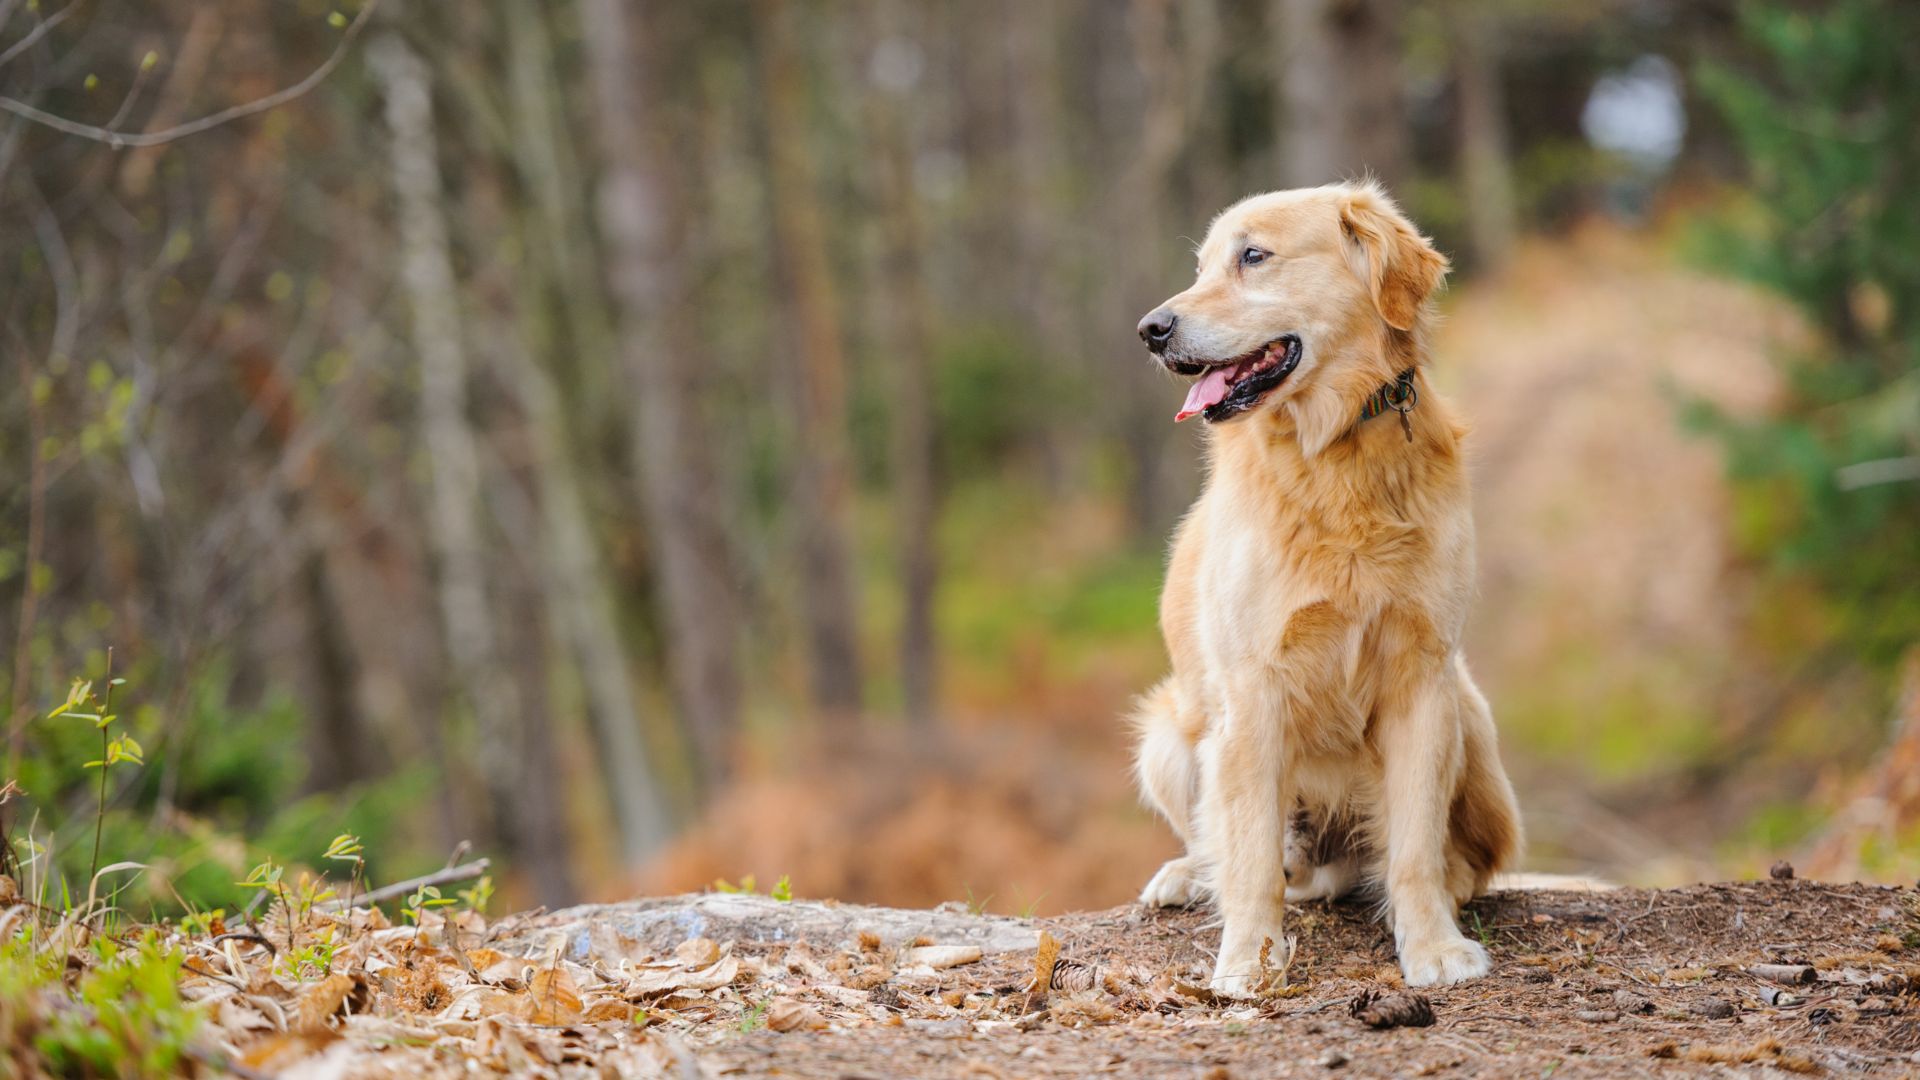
(1600,984)
(1624,983)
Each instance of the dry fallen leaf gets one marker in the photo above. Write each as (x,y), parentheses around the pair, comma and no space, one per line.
(492,965)
(1085,1008)
(844,995)
(478,1002)
(661,978)
(790,1015)
(941,957)
(801,961)
(697,953)
(556,999)
(1044,959)
(273,1053)
(606,1009)
(322,1001)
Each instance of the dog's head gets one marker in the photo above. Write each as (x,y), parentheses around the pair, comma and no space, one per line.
(1299,300)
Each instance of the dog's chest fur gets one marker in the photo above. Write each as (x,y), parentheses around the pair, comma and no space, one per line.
(1313,584)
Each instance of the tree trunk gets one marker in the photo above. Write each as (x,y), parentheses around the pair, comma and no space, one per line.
(823,471)
(907,340)
(1486,172)
(18,713)
(454,496)
(579,604)
(542,841)
(692,559)
(1146,74)
(339,752)
(1042,221)
(1340,111)
(391,649)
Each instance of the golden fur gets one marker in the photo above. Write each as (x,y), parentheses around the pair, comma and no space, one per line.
(1314,603)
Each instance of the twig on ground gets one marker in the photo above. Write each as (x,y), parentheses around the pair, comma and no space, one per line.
(463,872)
(247,935)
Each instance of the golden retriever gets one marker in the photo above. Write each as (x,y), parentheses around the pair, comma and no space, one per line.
(1319,731)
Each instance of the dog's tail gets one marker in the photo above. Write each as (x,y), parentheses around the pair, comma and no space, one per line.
(1164,760)
(1525,882)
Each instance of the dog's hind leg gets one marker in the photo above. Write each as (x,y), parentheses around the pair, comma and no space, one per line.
(1421,754)
(1484,834)
(1168,772)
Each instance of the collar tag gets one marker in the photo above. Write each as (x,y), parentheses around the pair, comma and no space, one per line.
(1400,395)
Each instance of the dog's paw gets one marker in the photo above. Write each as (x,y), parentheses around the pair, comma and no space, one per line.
(1241,986)
(1174,886)
(1237,976)
(1442,961)
(1239,972)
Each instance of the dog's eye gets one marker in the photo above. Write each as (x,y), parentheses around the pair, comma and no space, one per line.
(1253,256)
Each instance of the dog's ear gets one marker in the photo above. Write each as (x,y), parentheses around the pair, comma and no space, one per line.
(1399,264)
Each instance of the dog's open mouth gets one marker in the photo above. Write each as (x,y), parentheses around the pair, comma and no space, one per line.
(1232,387)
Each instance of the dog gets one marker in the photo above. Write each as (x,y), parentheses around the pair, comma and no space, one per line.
(1320,732)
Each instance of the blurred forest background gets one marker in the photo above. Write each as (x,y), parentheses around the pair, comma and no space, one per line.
(664,442)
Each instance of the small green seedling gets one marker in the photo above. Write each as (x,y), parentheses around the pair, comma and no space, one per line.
(1480,930)
(347,848)
(749,886)
(479,896)
(83,704)
(423,900)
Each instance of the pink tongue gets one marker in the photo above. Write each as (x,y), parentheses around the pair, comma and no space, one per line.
(1207,392)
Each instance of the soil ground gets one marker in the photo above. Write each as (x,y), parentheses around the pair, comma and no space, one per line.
(1772,976)
(1621,983)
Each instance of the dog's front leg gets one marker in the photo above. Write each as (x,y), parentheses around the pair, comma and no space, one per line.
(1242,828)
(1420,748)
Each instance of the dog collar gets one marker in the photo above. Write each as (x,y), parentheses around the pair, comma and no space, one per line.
(1400,396)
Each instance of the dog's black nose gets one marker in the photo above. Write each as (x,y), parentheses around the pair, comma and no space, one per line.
(1157,328)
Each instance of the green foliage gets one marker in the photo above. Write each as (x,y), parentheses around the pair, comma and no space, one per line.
(346,848)
(424,899)
(1615,728)
(297,903)
(481,894)
(755,1016)
(782,889)
(114,750)
(1828,130)
(231,781)
(83,995)
(1020,577)
(992,394)
(125,1016)
(313,959)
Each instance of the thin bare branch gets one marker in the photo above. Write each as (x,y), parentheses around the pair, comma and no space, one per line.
(446,876)
(133,95)
(39,31)
(120,140)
